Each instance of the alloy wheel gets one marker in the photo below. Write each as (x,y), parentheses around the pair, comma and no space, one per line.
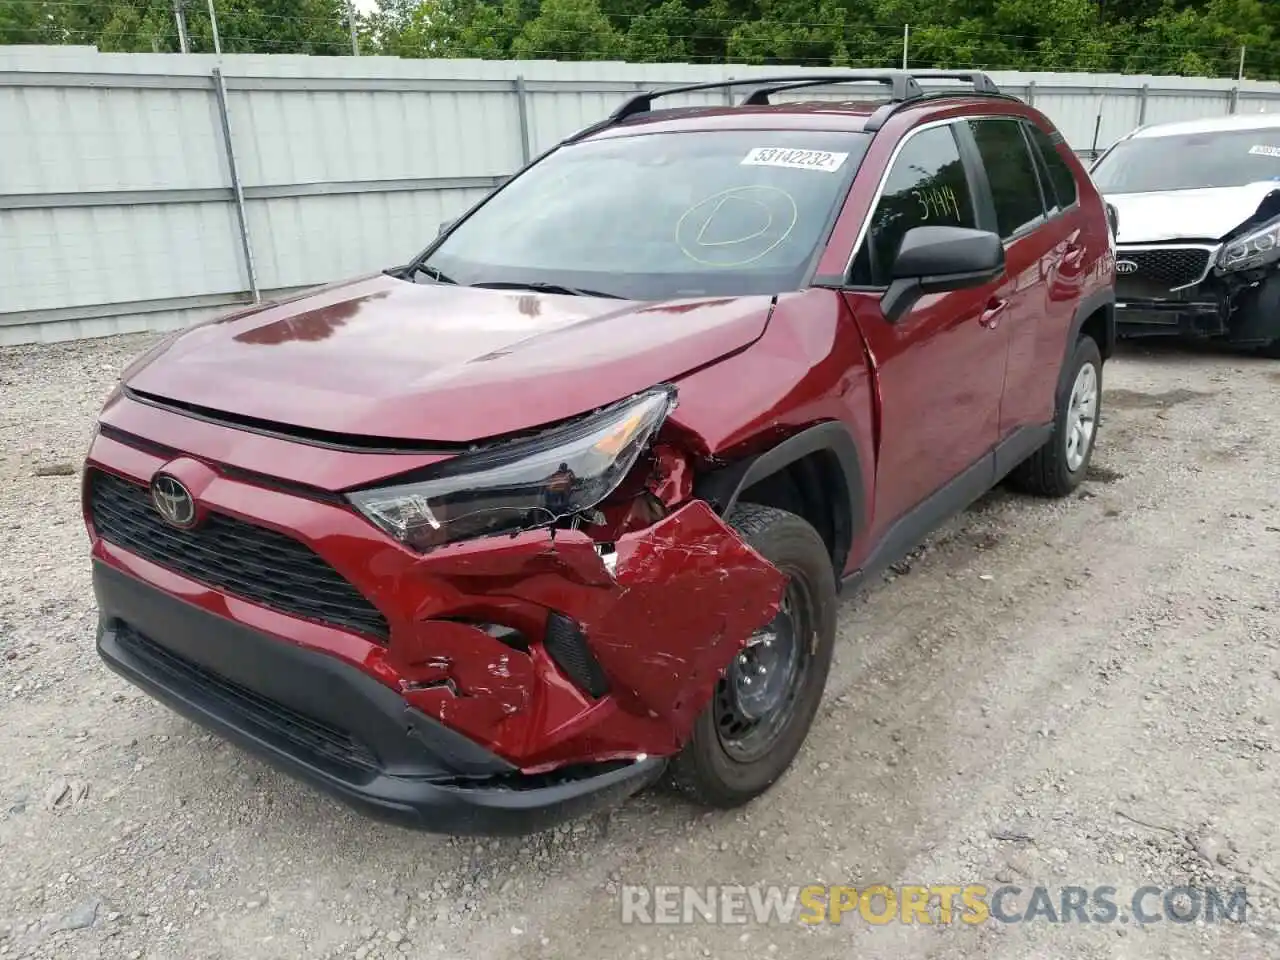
(1082,416)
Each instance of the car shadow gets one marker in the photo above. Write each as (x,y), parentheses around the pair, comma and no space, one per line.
(1164,350)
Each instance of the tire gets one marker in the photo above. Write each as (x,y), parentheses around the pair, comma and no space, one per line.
(724,769)
(1259,314)
(1055,470)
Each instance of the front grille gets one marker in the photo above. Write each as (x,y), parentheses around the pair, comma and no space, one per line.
(1160,271)
(241,558)
(313,739)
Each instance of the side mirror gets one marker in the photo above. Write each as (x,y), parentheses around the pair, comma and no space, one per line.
(1113,220)
(444,227)
(937,260)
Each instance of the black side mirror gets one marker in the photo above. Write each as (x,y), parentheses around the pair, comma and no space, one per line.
(937,260)
(444,227)
(1113,220)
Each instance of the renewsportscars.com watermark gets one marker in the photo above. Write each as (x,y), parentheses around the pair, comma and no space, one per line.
(938,904)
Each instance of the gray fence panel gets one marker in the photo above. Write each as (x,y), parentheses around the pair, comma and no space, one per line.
(118,210)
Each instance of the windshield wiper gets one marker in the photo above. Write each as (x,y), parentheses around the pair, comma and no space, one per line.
(433,272)
(542,287)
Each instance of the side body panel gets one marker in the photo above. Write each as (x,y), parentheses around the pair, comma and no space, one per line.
(966,383)
(940,372)
(1070,254)
(809,368)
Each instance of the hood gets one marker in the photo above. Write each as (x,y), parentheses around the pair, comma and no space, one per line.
(384,358)
(1208,214)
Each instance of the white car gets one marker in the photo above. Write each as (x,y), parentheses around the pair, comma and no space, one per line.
(1198,232)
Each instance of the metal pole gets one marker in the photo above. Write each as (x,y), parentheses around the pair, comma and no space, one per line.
(1097,129)
(351,19)
(1142,104)
(213,20)
(180,18)
(220,90)
(906,41)
(1240,75)
(522,109)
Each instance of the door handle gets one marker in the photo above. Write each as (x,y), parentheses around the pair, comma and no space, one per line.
(991,316)
(1073,254)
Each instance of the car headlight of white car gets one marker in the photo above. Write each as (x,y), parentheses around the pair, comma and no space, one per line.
(1257,249)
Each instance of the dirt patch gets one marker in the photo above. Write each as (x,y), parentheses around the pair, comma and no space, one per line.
(1137,400)
(1100,474)
(1045,665)
(1231,453)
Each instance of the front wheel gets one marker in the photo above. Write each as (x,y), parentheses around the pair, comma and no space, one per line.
(1058,467)
(765,703)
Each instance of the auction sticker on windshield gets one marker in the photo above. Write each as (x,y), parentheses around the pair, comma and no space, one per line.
(1263,150)
(822,160)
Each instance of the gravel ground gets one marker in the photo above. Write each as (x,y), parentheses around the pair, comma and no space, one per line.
(1081,692)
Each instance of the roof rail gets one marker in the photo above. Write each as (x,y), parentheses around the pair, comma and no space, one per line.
(981,82)
(983,86)
(901,85)
(904,88)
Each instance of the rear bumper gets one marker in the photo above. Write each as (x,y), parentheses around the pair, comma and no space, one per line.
(332,725)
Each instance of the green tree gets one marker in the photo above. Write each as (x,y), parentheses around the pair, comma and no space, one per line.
(803,32)
(1202,41)
(568,30)
(1191,37)
(31,21)
(447,28)
(665,33)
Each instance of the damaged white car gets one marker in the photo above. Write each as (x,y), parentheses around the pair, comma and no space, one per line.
(1198,233)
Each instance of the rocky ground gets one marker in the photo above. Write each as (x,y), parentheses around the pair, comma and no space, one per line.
(1078,693)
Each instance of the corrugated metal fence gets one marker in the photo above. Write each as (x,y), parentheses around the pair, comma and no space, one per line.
(142,191)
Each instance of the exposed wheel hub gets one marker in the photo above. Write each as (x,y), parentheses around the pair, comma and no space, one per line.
(760,676)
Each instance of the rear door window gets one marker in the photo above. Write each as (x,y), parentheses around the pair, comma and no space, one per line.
(926,186)
(1015,187)
(1060,175)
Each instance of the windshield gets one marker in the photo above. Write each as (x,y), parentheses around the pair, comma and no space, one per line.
(1190,161)
(660,216)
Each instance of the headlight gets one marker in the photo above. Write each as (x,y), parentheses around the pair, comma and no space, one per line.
(522,484)
(1256,249)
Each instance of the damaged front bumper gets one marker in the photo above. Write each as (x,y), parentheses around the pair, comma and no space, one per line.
(332,725)
(1202,314)
(1193,301)
(520,680)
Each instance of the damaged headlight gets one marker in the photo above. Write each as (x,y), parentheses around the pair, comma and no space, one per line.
(1257,249)
(521,484)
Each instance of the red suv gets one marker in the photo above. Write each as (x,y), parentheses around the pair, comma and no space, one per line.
(564,504)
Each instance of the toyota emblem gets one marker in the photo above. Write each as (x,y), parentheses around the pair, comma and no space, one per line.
(173,501)
(1126,267)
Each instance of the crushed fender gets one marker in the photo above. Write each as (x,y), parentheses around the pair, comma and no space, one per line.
(681,598)
(690,593)
(672,480)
